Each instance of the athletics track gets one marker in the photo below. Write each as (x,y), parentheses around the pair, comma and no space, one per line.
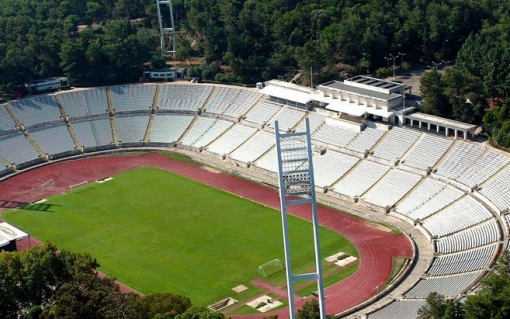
(376,247)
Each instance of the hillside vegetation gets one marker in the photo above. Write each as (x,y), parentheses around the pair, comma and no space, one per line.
(98,42)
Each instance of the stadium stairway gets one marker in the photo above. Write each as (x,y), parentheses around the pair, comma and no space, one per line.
(264,154)
(111,109)
(442,209)
(219,136)
(61,108)
(206,102)
(272,119)
(147,134)
(187,129)
(113,125)
(251,136)
(375,144)
(401,200)
(74,137)
(415,144)
(6,162)
(346,174)
(301,121)
(204,133)
(351,142)
(380,181)
(18,123)
(154,107)
(450,149)
(27,136)
(37,147)
(317,129)
(155,100)
(495,175)
(251,108)
(68,124)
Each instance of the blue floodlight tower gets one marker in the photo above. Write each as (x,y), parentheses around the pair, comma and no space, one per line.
(163,30)
(297,187)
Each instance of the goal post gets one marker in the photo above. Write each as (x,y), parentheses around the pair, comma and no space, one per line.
(75,186)
(270,267)
(46,184)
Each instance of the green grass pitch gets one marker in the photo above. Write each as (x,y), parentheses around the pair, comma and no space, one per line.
(157,231)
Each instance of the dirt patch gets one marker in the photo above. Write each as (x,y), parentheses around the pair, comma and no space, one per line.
(212,170)
(381,227)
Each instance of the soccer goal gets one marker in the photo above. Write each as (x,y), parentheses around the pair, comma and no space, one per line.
(46,184)
(75,186)
(270,268)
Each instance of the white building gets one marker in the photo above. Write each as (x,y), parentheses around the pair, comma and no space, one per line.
(163,74)
(45,85)
(358,98)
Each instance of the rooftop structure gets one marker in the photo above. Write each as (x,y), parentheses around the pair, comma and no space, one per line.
(366,97)
(359,97)
(440,124)
(49,84)
(288,93)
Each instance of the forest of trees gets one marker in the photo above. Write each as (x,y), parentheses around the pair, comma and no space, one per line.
(108,41)
(253,40)
(97,42)
(478,85)
(46,38)
(45,283)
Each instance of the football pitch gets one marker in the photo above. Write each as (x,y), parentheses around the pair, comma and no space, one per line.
(157,231)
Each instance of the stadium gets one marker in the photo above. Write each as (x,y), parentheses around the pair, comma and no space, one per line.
(448,196)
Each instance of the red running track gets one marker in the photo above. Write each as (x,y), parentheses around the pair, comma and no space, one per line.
(376,247)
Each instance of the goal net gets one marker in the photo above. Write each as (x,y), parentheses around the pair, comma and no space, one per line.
(46,184)
(270,268)
(75,186)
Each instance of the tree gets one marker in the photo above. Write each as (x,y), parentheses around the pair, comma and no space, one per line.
(454,310)
(48,284)
(88,296)
(492,301)
(406,66)
(166,304)
(185,52)
(432,89)
(200,313)
(466,95)
(438,307)
(383,73)
(310,310)
(31,278)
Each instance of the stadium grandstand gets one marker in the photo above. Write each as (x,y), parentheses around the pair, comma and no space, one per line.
(367,152)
